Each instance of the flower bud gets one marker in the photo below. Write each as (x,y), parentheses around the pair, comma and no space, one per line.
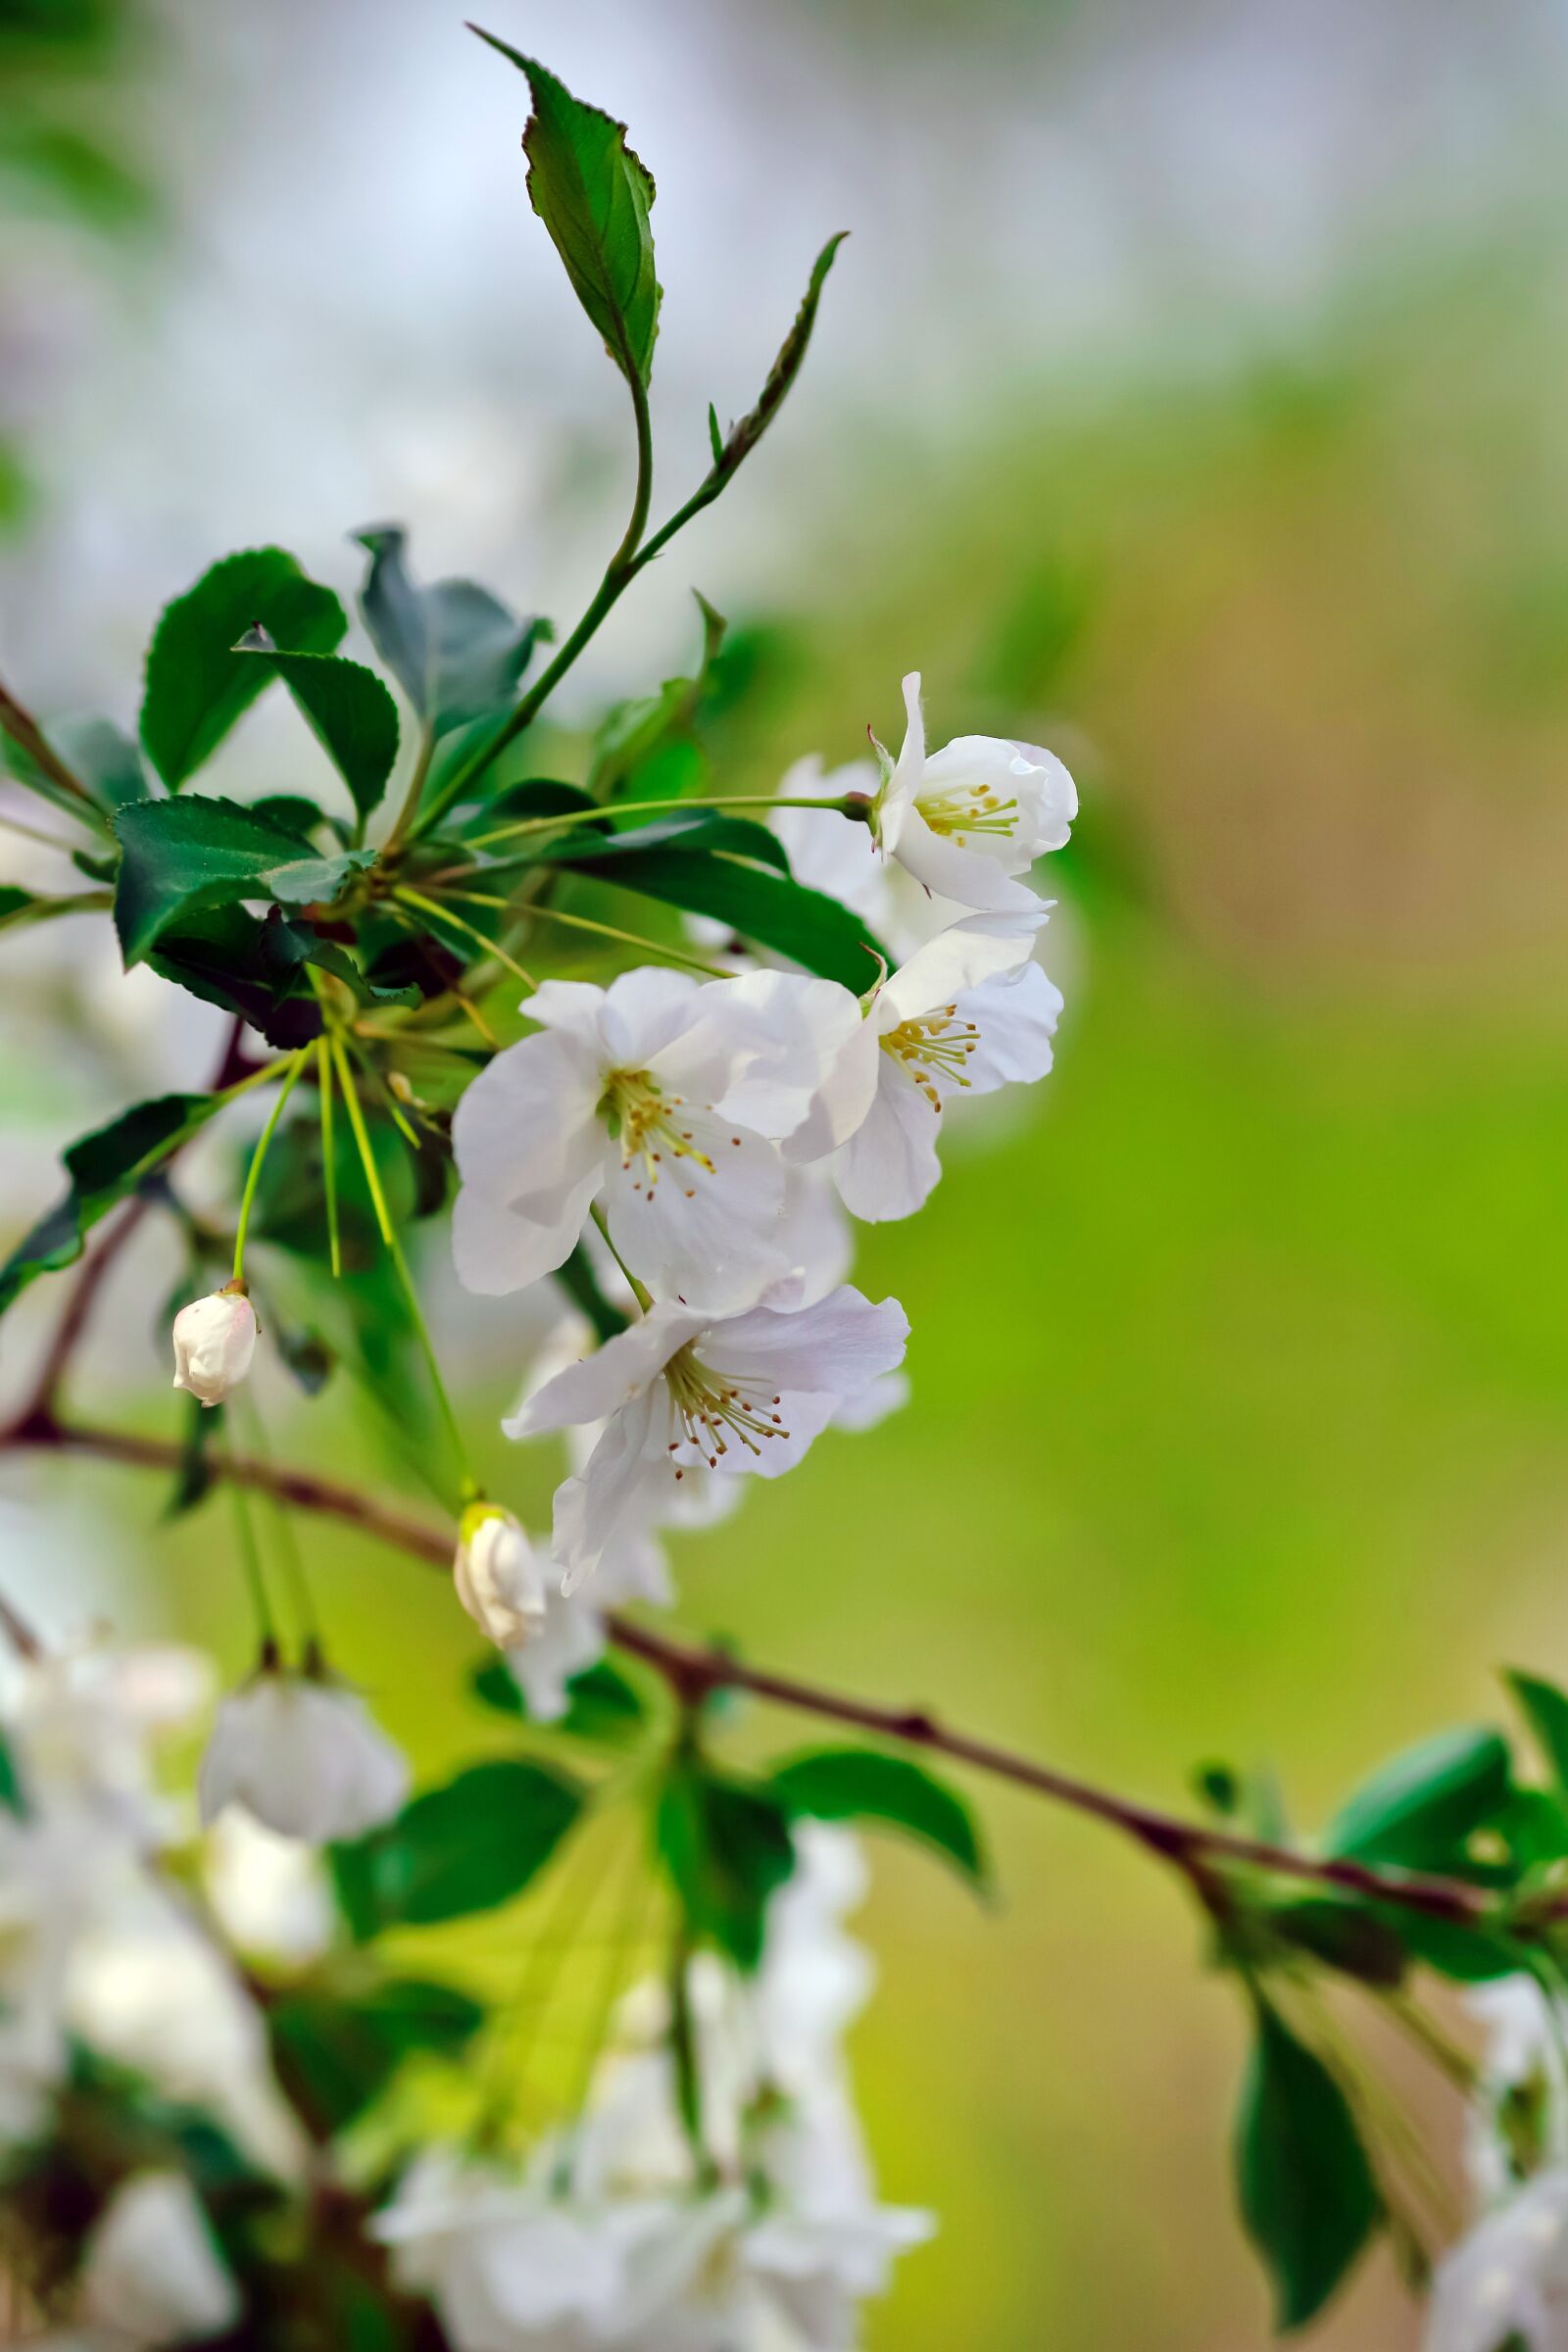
(498,1579)
(303,1755)
(214,1340)
(153,2274)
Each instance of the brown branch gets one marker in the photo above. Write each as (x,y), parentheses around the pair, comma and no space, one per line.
(40,1406)
(693,1672)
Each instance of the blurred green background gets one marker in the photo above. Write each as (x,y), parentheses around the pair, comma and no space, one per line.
(1240,1353)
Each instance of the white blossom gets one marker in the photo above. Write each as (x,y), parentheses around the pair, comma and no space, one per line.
(660,1097)
(215,1339)
(682,1393)
(1508,2278)
(304,1757)
(1519,2116)
(967,1014)
(152,2274)
(964,819)
(270,1895)
(499,1580)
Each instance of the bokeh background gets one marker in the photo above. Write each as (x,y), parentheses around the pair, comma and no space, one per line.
(1189,398)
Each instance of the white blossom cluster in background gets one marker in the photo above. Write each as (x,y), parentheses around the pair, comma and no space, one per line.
(615,2233)
(716,1133)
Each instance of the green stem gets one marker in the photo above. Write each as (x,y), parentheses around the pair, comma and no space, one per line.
(323,1085)
(468,1485)
(252,1174)
(639,1291)
(411,798)
(288,1548)
(413,898)
(596,814)
(251,1561)
(584,922)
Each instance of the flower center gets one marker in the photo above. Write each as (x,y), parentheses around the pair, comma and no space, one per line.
(964,809)
(712,1408)
(932,1051)
(650,1126)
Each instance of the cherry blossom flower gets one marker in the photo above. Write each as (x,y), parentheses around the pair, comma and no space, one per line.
(214,1340)
(967,1014)
(683,1393)
(964,819)
(153,2274)
(302,1754)
(660,1096)
(497,1577)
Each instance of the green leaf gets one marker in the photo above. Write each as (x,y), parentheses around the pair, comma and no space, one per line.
(336,2055)
(1422,1809)
(860,1784)
(347,708)
(104,756)
(455,651)
(1468,1955)
(1307,2195)
(602,1704)
(11,1795)
(705,876)
(104,1167)
(534,795)
(468,1847)
(1345,1936)
(594,197)
(230,957)
(743,437)
(1545,1709)
(727,1848)
(197,685)
(181,855)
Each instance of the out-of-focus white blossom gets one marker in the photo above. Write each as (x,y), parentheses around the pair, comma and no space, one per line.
(152,2274)
(663,1098)
(270,1895)
(214,1340)
(1519,2116)
(304,1757)
(499,1580)
(1508,2278)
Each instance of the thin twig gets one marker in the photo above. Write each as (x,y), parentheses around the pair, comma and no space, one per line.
(694,1672)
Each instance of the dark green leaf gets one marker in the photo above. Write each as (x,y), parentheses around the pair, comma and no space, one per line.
(594,197)
(294,812)
(334,2055)
(534,795)
(726,1845)
(104,1167)
(197,685)
(1343,1935)
(1545,1709)
(454,648)
(743,437)
(12,1796)
(335,959)
(104,756)
(752,897)
(860,1783)
(181,855)
(1422,1808)
(1468,1955)
(1306,2190)
(601,1703)
(464,1847)
(229,956)
(305,1352)
(347,708)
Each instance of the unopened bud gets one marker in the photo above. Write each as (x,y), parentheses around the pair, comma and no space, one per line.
(499,1580)
(214,1340)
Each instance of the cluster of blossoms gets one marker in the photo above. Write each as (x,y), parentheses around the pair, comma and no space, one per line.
(718,1135)
(1507,2284)
(617,2233)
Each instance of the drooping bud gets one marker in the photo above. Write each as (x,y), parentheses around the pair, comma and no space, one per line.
(303,1755)
(499,1580)
(215,1339)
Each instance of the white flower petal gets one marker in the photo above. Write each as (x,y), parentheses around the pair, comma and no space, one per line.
(889,1166)
(598,1385)
(961,874)
(704,1234)
(963,956)
(1016,1017)
(529,1146)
